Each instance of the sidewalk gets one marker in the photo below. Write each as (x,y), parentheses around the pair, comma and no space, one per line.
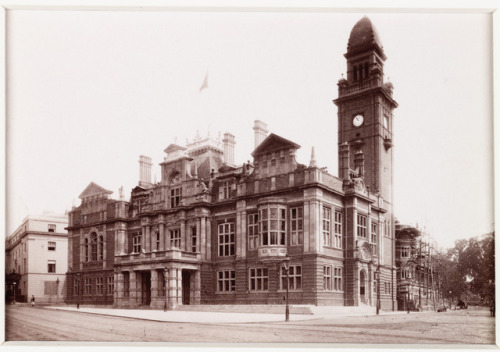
(210,317)
(187,317)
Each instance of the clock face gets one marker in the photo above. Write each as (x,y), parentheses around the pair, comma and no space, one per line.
(358,120)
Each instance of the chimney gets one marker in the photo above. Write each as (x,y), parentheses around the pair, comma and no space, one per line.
(312,163)
(145,169)
(359,163)
(344,161)
(228,148)
(260,129)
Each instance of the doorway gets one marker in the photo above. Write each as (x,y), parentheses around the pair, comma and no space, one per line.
(186,287)
(146,287)
(362,286)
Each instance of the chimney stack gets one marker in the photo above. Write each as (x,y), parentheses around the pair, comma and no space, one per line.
(344,161)
(145,170)
(228,148)
(260,129)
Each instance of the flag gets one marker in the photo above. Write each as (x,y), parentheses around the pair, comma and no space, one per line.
(205,82)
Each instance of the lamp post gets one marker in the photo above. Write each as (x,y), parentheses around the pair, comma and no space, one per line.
(77,290)
(14,301)
(165,278)
(57,290)
(286,266)
(377,279)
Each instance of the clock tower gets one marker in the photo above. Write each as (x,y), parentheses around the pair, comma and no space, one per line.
(365,113)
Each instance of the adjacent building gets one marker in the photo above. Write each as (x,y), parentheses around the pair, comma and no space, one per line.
(36,259)
(213,232)
(418,280)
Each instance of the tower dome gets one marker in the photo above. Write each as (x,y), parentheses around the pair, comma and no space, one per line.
(363,35)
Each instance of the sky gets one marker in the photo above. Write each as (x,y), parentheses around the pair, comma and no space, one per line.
(88,92)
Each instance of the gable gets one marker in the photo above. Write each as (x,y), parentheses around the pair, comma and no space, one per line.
(273,143)
(93,189)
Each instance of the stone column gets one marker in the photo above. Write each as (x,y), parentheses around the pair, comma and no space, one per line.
(184,241)
(203,239)
(172,288)
(118,294)
(161,228)
(179,286)
(154,287)
(197,287)
(209,238)
(133,289)
(198,235)
(148,238)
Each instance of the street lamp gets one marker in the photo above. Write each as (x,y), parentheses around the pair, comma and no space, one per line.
(77,290)
(286,266)
(14,301)
(57,290)
(377,279)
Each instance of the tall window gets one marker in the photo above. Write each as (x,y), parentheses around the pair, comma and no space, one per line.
(405,252)
(101,248)
(111,285)
(337,239)
(296,226)
(226,281)
(93,246)
(193,239)
(175,197)
(373,237)
(51,246)
(88,286)
(406,273)
(136,243)
(294,276)
(327,213)
(156,239)
(224,190)
(361,227)
(259,279)
(327,278)
(99,286)
(253,231)
(226,239)
(337,279)
(52,227)
(175,238)
(86,245)
(51,266)
(272,221)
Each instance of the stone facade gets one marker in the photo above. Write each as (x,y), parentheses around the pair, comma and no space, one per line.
(211,232)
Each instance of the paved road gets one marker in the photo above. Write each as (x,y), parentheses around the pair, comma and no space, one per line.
(24,323)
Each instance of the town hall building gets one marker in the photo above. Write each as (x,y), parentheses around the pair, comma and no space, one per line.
(212,232)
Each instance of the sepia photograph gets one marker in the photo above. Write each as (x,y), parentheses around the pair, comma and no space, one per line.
(268,175)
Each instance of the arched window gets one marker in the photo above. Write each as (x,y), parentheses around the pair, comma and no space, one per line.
(86,249)
(93,246)
(101,248)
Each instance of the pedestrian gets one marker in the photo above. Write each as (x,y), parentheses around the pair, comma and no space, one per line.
(32,300)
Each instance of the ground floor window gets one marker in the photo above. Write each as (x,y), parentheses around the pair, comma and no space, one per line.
(259,279)
(111,284)
(327,278)
(88,286)
(99,285)
(294,276)
(337,279)
(226,281)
